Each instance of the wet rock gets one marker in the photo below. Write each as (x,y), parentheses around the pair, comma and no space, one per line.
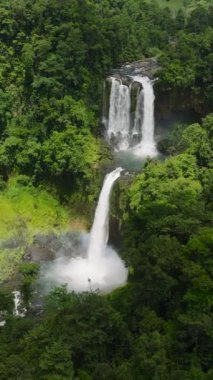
(48,247)
(38,254)
(51,241)
(13,243)
(145,67)
(135,90)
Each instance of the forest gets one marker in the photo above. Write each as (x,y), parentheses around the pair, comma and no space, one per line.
(55,55)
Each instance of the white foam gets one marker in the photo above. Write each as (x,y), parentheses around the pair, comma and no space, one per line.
(101,268)
(84,274)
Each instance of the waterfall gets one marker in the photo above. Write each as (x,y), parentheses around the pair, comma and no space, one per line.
(147,143)
(17,303)
(16,310)
(17,299)
(100,268)
(100,230)
(131,126)
(119,114)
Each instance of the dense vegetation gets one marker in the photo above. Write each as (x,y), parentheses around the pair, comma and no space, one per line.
(159,326)
(54,56)
(26,211)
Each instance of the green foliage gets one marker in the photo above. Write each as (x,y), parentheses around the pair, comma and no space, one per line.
(167,197)
(195,139)
(29,272)
(186,67)
(25,211)
(6,303)
(9,260)
(55,362)
(168,243)
(71,151)
(27,208)
(53,59)
(53,62)
(78,331)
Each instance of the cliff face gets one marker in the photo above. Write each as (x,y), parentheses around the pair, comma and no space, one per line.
(172,105)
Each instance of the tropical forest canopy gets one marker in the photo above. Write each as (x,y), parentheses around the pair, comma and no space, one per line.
(54,57)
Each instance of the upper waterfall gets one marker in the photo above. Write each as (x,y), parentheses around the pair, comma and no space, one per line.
(147,143)
(130,122)
(119,113)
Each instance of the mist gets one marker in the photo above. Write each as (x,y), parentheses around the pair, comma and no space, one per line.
(81,273)
(95,266)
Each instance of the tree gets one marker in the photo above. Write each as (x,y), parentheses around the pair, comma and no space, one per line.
(29,273)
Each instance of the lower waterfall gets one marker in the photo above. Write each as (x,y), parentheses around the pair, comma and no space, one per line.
(101,268)
(100,230)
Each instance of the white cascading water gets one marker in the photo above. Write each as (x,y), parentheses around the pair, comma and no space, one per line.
(17,303)
(17,298)
(100,229)
(146,147)
(119,114)
(101,268)
(120,132)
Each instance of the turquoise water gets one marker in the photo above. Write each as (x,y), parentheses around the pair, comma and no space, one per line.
(129,161)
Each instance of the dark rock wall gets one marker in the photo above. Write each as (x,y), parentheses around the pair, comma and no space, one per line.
(171,106)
